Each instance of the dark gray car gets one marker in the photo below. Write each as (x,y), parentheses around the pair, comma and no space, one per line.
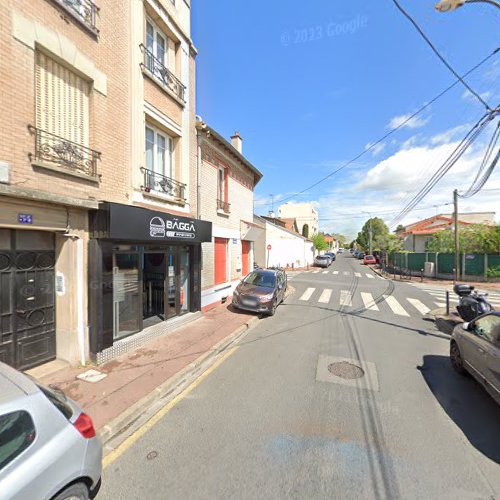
(475,348)
(48,446)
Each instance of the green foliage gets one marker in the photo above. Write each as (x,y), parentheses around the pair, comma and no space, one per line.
(381,238)
(476,238)
(319,241)
(399,228)
(493,272)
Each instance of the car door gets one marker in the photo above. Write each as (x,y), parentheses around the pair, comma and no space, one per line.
(485,352)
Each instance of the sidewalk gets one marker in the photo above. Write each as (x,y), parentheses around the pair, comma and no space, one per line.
(140,373)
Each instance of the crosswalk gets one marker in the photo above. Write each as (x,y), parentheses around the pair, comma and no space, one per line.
(293,275)
(367,301)
(438,294)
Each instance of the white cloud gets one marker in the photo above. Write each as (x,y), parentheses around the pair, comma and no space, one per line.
(467,95)
(451,134)
(377,149)
(412,123)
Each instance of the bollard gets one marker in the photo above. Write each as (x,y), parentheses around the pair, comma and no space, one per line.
(422,275)
(447,302)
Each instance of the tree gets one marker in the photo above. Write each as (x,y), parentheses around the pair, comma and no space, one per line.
(399,229)
(380,232)
(476,238)
(319,241)
(340,238)
(305,230)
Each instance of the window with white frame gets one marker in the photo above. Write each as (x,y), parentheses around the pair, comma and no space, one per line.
(156,49)
(159,160)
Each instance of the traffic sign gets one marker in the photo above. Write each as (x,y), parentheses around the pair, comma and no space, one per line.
(269,247)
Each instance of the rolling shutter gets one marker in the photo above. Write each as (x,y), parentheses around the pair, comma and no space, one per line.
(62,101)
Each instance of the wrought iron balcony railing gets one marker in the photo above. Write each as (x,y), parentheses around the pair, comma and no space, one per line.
(162,184)
(224,206)
(158,69)
(83,10)
(64,153)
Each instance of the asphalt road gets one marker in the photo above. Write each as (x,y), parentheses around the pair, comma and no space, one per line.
(272,421)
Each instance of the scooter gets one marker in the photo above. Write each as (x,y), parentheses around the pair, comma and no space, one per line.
(472,304)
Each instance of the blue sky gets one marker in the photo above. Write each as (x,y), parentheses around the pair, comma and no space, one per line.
(310,84)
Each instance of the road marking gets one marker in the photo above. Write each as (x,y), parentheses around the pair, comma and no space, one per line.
(316,272)
(396,307)
(368,301)
(125,445)
(358,275)
(325,296)
(307,294)
(345,298)
(368,275)
(440,304)
(335,272)
(325,272)
(346,273)
(421,308)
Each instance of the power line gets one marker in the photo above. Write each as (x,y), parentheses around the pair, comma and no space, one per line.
(392,131)
(438,54)
(457,153)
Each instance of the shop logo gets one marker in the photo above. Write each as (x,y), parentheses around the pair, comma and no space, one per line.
(157,228)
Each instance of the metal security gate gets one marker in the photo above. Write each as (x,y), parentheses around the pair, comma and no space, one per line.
(27,300)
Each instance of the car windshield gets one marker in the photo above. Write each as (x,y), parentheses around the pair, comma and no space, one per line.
(322,257)
(263,279)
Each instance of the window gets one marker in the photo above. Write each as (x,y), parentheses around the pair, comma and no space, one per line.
(159,153)
(62,101)
(17,433)
(156,46)
(488,328)
(58,399)
(221,184)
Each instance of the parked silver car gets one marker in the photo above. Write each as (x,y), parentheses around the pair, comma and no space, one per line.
(322,261)
(475,348)
(48,446)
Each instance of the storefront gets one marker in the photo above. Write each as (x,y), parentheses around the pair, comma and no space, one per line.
(144,269)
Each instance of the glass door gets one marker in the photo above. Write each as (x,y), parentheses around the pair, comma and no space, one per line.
(171,304)
(127,300)
(184,280)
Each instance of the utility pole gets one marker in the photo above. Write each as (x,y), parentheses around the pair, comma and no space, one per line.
(455,223)
(371,232)
(272,202)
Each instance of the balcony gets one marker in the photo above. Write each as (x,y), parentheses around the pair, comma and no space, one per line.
(84,11)
(158,183)
(65,155)
(166,77)
(223,206)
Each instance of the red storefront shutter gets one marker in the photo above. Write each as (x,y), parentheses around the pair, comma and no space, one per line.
(220,260)
(245,249)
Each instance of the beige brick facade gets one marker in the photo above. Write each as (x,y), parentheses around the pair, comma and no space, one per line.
(227,222)
(123,98)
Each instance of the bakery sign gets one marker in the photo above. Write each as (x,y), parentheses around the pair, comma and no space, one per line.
(129,223)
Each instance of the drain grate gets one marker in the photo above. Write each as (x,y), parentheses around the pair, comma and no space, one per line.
(344,369)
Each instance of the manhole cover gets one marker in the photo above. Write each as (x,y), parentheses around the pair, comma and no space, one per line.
(344,369)
(152,455)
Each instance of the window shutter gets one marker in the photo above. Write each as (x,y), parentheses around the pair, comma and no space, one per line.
(62,101)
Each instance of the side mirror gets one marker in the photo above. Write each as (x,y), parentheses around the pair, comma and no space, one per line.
(466,326)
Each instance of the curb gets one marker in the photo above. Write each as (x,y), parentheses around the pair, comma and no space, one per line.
(379,272)
(168,389)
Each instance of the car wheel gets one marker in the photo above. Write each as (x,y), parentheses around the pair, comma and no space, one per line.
(77,491)
(274,306)
(456,359)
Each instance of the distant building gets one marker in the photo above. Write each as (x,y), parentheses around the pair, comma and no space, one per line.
(306,216)
(417,235)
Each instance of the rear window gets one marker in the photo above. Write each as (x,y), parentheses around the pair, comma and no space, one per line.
(17,433)
(58,399)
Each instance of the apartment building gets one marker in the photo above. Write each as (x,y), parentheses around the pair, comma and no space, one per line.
(305,214)
(228,180)
(97,176)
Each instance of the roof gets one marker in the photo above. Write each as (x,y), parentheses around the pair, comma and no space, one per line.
(233,150)
(269,221)
(14,384)
(290,223)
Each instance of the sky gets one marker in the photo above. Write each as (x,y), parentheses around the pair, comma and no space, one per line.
(310,85)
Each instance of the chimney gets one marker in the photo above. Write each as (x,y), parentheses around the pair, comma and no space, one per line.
(237,142)
(272,214)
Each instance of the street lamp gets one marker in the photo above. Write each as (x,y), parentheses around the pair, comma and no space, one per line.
(449,5)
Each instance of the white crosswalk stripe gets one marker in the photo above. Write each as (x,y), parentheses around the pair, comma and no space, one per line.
(345,298)
(316,272)
(325,272)
(358,275)
(307,294)
(325,296)
(369,275)
(335,272)
(368,301)
(346,273)
(395,306)
(419,306)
